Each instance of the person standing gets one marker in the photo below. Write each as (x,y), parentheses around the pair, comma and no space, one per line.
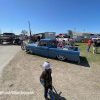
(96,44)
(89,44)
(46,78)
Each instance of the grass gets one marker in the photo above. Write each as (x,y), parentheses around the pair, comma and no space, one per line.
(90,57)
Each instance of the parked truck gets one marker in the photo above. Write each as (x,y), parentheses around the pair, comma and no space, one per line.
(7,37)
(48,48)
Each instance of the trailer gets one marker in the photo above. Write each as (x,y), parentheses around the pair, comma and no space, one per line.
(47,35)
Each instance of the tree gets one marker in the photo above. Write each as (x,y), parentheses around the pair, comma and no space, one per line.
(24,32)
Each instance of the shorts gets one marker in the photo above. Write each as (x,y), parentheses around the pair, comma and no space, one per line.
(95,48)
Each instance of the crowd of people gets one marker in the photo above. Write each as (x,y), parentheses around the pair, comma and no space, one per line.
(95,43)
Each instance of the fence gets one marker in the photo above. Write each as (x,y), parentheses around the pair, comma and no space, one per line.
(85,40)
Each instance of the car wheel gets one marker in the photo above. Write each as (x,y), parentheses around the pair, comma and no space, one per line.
(23,46)
(12,41)
(30,51)
(61,57)
(1,42)
(79,61)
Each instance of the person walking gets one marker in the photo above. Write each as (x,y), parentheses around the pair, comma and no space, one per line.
(46,78)
(96,44)
(89,44)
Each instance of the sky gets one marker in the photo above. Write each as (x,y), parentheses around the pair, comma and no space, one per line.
(49,15)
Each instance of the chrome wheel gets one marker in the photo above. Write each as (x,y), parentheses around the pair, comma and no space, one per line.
(61,57)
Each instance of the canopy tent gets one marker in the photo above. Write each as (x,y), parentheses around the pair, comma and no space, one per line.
(60,35)
(93,36)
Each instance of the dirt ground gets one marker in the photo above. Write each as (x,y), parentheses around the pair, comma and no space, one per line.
(71,81)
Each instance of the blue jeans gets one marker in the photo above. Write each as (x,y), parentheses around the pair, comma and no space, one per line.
(45,88)
(88,48)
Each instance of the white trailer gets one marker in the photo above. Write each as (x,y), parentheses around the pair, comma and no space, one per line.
(78,38)
(47,35)
(50,35)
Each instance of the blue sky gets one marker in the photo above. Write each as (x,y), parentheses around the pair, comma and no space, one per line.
(50,15)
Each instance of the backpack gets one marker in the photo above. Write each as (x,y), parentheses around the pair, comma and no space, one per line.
(48,78)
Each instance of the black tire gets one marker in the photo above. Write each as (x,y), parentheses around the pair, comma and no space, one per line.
(23,46)
(11,40)
(30,51)
(1,42)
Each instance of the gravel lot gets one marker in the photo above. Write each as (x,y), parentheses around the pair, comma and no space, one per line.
(71,81)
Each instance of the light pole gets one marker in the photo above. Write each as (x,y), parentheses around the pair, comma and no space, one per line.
(74,31)
(29,28)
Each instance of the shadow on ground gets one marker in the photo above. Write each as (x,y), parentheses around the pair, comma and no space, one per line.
(77,45)
(98,53)
(83,61)
(57,96)
(7,44)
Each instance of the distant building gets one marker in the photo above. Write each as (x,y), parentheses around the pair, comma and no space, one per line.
(75,33)
(84,34)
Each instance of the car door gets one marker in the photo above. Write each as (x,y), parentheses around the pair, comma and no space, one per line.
(42,48)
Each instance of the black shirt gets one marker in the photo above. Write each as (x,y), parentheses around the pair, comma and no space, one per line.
(96,43)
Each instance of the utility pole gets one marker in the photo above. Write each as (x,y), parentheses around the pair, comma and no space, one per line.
(29,28)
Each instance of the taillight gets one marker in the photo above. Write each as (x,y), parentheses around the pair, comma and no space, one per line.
(68,39)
